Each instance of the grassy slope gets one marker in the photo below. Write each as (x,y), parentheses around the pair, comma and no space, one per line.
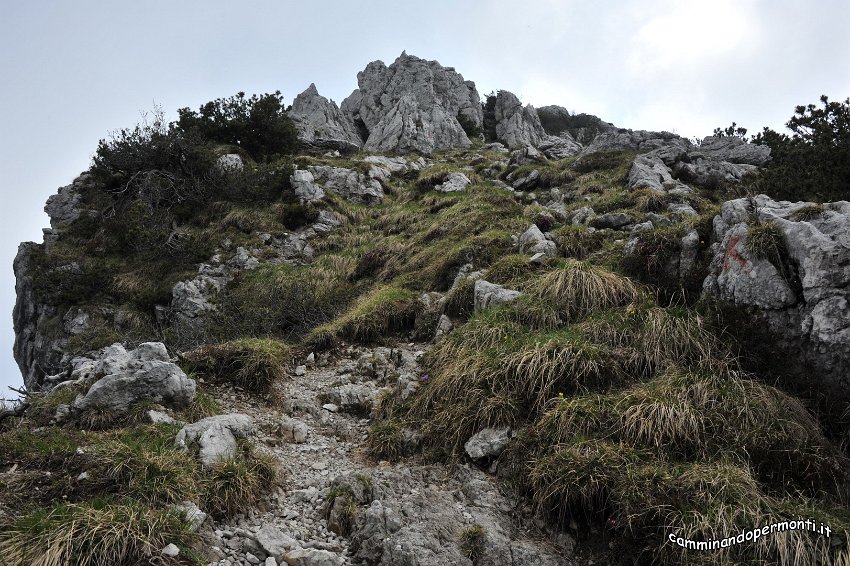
(631,414)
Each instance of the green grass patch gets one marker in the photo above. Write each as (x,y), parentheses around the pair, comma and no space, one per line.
(383,311)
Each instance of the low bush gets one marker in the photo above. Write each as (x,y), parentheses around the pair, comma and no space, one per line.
(258,124)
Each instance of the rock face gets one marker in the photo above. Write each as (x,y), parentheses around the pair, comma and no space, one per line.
(635,140)
(401,524)
(412,105)
(320,122)
(191,300)
(215,436)
(804,302)
(649,171)
(351,184)
(558,121)
(143,374)
(732,149)
(517,125)
(305,187)
(35,352)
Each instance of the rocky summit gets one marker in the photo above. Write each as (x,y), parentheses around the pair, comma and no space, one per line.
(423,327)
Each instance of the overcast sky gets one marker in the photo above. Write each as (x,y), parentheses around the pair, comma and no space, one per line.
(73,71)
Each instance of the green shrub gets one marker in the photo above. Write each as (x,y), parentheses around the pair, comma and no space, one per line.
(257,124)
(813,163)
(160,163)
(469,126)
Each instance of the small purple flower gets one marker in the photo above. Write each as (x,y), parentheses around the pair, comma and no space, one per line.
(424,377)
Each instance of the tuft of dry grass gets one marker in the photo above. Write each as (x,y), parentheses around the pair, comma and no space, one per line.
(91,534)
(238,484)
(255,364)
(577,289)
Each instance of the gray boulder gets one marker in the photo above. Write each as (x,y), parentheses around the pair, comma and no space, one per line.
(294,431)
(517,125)
(532,241)
(230,162)
(274,542)
(488,295)
(352,398)
(612,220)
(351,184)
(731,149)
(525,156)
(312,557)
(560,147)
(305,187)
(487,443)
(582,216)
(143,374)
(455,182)
(321,123)
(396,164)
(413,105)
(215,437)
(804,303)
(651,172)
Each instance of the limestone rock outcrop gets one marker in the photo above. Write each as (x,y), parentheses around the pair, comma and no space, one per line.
(412,105)
(804,300)
(215,437)
(401,523)
(143,374)
(320,122)
(517,125)
(351,184)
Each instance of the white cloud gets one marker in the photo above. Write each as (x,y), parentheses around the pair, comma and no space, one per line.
(683,34)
